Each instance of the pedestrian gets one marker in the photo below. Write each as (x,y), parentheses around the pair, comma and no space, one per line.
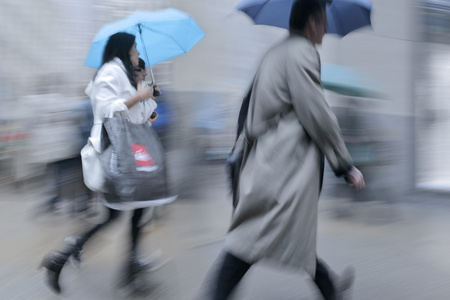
(113,89)
(288,131)
(140,74)
(66,173)
(164,110)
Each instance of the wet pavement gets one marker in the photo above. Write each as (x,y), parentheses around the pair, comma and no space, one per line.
(399,250)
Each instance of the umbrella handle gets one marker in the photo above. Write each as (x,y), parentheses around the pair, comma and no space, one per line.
(156,93)
(151,74)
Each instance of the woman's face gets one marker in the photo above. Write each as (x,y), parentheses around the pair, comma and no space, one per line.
(134,55)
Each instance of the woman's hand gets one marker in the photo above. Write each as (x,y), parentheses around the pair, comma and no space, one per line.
(152,120)
(144,92)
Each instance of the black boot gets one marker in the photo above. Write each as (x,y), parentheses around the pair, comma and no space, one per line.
(344,283)
(132,269)
(138,265)
(75,258)
(54,262)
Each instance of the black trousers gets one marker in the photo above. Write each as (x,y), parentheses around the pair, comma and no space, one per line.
(233,269)
(112,215)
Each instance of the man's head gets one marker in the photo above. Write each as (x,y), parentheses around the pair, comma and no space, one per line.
(139,71)
(309,18)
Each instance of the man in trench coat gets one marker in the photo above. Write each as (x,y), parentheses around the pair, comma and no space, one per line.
(289,128)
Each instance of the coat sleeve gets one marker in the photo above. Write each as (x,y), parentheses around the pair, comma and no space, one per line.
(313,111)
(108,91)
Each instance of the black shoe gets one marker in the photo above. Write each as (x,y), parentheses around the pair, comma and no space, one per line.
(129,274)
(54,262)
(133,269)
(139,265)
(137,268)
(75,258)
(344,283)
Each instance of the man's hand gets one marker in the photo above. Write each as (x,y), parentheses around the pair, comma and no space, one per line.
(157,89)
(355,179)
(152,120)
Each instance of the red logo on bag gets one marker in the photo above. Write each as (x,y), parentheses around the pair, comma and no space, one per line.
(142,157)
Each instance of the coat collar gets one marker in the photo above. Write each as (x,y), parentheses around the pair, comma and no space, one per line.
(118,62)
(302,37)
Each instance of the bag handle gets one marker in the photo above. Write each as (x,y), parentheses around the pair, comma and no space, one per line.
(123,114)
(243,112)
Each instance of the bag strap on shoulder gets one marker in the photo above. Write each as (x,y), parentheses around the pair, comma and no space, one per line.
(243,112)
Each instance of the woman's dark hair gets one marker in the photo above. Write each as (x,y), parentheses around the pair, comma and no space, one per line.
(119,45)
(301,11)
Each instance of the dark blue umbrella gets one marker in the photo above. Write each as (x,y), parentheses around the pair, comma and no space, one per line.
(344,16)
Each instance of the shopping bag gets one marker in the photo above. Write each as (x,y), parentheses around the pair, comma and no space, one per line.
(134,162)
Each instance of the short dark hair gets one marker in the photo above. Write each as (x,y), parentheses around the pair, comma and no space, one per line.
(141,63)
(303,9)
(119,45)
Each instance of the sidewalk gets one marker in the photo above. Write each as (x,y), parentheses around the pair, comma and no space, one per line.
(405,256)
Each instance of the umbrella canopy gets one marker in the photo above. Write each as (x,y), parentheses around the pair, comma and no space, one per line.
(348,81)
(344,16)
(160,35)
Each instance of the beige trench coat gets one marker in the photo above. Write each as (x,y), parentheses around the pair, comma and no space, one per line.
(292,126)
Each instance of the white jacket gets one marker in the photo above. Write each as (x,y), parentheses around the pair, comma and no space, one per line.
(108,92)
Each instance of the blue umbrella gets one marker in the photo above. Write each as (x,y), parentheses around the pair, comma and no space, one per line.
(344,16)
(160,35)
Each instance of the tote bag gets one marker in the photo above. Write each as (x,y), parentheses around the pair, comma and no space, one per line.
(134,162)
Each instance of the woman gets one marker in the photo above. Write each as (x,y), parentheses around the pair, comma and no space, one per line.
(113,89)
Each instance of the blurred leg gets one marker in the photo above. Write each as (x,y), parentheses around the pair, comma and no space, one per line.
(113,214)
(135,229)
(323,281)
(55,260)
(230,274)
